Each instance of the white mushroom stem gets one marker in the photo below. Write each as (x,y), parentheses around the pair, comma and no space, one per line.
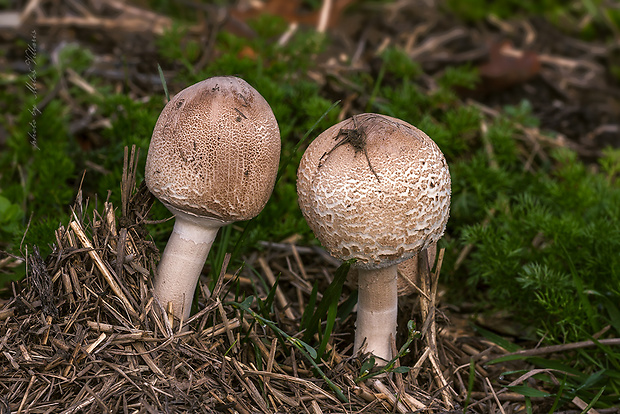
(183,259)
(377,311)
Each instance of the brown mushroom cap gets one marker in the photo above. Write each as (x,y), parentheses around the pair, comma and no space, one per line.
(215,151)
(381,219)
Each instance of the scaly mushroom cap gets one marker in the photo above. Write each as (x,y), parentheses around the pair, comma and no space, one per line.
(215,151)
(380,210)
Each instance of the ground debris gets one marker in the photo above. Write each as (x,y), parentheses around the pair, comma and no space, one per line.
(95,354)
(85,334)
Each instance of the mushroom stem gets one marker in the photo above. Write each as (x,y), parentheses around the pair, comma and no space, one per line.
(183,260)
(377,311)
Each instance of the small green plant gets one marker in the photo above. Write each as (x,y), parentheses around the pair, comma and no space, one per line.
(543,241)
(304,348)
(75,57)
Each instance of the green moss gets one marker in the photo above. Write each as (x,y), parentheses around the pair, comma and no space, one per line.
(479,9)
(589,19)
(551,242)
(399,65)
(39,160)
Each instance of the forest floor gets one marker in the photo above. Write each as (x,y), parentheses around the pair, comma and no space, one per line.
(68,348)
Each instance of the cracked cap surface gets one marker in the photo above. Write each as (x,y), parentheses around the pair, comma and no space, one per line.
(380,219)
(215,151)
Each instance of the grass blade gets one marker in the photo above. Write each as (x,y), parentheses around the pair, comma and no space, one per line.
(306,350)
(163,82)
(303,324)
(496,339)
(528,391)
(594,400)
(558,395)
(470,382)
(286,162)
(331,319)
(331,295)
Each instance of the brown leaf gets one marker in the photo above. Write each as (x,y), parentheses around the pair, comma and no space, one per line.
(506,67)
(293,11)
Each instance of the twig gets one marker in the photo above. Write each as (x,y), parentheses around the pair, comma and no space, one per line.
(380,387)
(286,36)
(77,229)
(499,405)
(295,380)
(436,42)
(21,405)
(326,9)
(139,347)
(562,348)
(225,321)
(583,405)
(429,328)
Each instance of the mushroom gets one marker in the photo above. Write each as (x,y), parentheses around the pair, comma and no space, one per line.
(375,189)
(408,281)
(212,160)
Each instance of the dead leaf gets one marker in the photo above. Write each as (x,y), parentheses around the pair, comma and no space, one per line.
(505,68)
(293,12)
